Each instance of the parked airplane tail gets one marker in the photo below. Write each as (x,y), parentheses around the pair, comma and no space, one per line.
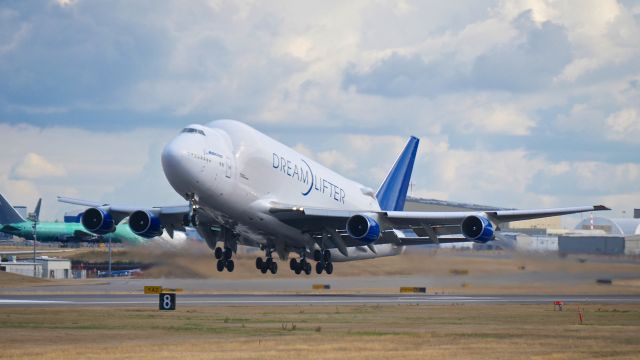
(393,191)
(8,215)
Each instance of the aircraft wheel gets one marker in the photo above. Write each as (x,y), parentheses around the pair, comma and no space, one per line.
(307,269)
(194,220)
(264,268)
(328,268)
(220,265)
(326,256)
(293,264)
(230,265)
(298,269)
(259,263)
(317,255)
(274,267)
(218,253)
(319,267)
(227,253)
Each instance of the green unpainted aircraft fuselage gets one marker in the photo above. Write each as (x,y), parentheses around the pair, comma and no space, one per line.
(54,231)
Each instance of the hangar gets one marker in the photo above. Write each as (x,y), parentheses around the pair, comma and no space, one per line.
(623,226)
(622,236)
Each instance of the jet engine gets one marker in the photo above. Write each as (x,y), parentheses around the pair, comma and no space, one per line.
(98,221)
(145,223)
(477,228)
(363,228)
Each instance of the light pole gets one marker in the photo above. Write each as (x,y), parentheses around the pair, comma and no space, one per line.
(109,255)
(35,271)
(36,218)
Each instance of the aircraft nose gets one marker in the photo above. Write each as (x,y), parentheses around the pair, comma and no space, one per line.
(174,156)
(171,154)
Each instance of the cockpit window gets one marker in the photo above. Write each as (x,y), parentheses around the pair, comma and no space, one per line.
(192,130)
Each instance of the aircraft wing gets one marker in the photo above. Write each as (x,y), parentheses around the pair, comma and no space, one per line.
(172,217)
(404,227)
(499,217)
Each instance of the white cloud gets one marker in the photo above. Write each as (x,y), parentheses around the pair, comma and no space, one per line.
(498,120)
(64,3)
(304,150)
(624,125)
(483,82)
(35,166)
(15,37)
(337,161)
(80,163)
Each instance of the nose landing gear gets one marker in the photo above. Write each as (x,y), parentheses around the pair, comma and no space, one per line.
(193,201)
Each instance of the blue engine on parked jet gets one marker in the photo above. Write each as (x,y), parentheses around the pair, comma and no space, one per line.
(477,228)
(145,223)
(363,228)
(98,221)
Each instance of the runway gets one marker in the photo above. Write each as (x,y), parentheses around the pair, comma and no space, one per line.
(115,300)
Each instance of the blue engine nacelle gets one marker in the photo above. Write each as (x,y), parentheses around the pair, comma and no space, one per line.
(363,228)
(98,221)
(145,223)
(477,228)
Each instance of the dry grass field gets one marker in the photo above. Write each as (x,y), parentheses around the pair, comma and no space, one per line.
(9,280)
(459,331)
(197,261)
(447,271)
(322,332)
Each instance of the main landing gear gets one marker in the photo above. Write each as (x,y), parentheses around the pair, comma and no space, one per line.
(224,259)
(300,266)
(324,263)
(267,265)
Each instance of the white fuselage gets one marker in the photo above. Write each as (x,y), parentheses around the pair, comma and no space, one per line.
(236,171)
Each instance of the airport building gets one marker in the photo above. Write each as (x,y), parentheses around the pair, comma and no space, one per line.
(24,268)
(621,237)
(622,227)
(46,267)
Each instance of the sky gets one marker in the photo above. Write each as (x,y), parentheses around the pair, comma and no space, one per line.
(523,104)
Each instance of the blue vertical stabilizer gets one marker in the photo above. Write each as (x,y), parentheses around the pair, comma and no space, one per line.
(393,191)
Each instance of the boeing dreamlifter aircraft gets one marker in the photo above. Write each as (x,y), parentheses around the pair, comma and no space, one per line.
(246,188)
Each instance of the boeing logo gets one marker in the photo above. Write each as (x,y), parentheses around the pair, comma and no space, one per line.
(304,174)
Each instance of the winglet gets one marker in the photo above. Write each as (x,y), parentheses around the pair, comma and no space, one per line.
(600,208)
(36,212)
(393,191)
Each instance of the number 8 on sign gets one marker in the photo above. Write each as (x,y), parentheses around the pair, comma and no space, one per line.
(167,301)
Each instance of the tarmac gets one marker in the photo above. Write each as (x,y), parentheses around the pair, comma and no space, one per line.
(113,300)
